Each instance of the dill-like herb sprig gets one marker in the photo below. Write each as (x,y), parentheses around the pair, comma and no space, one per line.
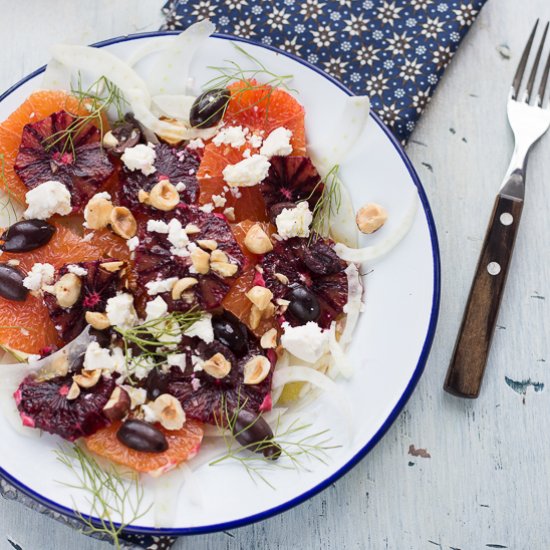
(7,203)
(233,72)
(296,446)
(155,339)
(328,205)
(96,99)
(112,494)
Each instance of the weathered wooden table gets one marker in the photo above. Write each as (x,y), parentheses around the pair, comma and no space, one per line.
(483,482)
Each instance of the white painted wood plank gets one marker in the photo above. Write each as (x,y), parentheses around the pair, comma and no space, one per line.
(485,482)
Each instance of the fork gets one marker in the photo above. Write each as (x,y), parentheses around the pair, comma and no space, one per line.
(529,121)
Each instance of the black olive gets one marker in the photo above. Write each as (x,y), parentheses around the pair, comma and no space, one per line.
(26,235)
(321,259)
(208,109)
(11,283)
(254,433)
(304,305)
(277,208)
(230,333)
(156,384)
(142,437)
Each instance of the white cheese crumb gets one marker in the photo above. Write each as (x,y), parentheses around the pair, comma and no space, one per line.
(97,357)
(140,157)
(39,275)
(277,143)
(132,244)
(180,187)
(255,140)
(246,153)
(197,363)
(208,207)
(219,201)
(149,415)
(176,360)
(77,270)
(294,222)
(247,172)
(120,311)
(195,384)
(49,198)
(195,144)
(138,396)
(157,226)
(176,234)
(202,329)
(162,285)
(155,309)
(230,135)
(306,342)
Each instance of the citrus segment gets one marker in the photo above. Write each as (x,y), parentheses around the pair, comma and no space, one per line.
(262,108)
(182,445)
(38,106)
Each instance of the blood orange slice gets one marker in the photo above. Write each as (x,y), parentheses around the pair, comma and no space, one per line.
(182,445)
(26,326)
(38,106)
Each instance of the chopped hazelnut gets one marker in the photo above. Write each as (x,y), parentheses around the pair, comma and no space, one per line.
(67,290)
(74,392)
(118,405)
(257,240)
(371,217)
(143,196)
(111,267)
(182,285)
(123,222)
(283,279)
(255,317)
(98,212)
(164,196)
(219,256)
(207,244)
(87,378)
(169,412)
(225,269)
(260,296)
(200,260)
(256,370)
(269,339)
(217,366)
(97,320)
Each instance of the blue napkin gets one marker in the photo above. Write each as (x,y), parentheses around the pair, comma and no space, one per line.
(394,51)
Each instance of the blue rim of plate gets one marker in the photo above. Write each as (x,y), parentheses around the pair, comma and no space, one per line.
(399,405)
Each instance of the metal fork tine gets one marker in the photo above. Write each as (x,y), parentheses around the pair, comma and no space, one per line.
(531,82)
(523,63)
(544,81)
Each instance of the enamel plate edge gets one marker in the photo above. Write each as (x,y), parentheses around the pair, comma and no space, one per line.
(402,302)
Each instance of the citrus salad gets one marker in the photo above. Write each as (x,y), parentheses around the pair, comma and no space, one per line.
(181,262)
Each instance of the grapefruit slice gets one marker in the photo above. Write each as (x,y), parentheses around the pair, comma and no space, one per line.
(38,106)
(182,445)
(26,326)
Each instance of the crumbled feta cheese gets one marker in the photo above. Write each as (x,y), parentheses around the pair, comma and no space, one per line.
(120,311)
(180,252)
(197,363)
(97,357)
(247,153)
(247,172)
(155,309)
(195,384)
(294,222)
(219,201)
(277,143)
(39,275)
(141,366)
(176,360)
(47,199)
(255,140)
(157,226)
(149,415)
(177,234)
(138,396)
(180,187)
(132,244)
(77,270)
(161,285)
(230,135)
(208,207)
(195,144)
(306,342)
(140,157)
(202,329)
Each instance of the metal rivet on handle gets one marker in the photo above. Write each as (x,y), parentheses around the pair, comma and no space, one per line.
(493,268)
(506,219)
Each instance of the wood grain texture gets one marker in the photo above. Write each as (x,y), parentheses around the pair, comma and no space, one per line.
(475,335)
(486,481)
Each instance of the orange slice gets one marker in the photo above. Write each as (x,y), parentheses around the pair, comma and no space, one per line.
(38,106)
(182,445)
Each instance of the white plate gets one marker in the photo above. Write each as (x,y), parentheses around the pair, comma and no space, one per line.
(389,350)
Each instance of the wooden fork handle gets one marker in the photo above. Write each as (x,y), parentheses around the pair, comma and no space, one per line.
(478,324)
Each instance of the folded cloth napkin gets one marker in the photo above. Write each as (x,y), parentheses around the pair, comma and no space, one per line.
(394,51)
